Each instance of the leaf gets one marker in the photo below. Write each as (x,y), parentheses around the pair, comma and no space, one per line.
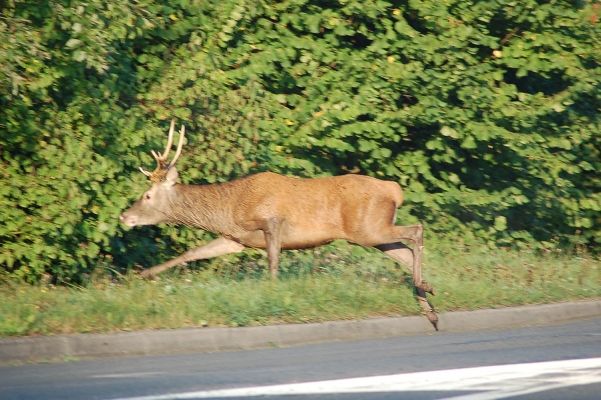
(469,143)
(402,27)
(73,43)
(500,223)
(449,132)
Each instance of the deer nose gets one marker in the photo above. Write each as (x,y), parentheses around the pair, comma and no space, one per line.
(128,219)
(123,218)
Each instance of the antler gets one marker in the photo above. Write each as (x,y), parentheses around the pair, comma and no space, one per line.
(180,145)
(162,158)
(163,166)
(148,174)
(170,140)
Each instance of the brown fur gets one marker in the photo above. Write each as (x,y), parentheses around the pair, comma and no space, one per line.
(312,211)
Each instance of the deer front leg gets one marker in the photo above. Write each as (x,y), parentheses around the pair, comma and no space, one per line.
(273,240)
(215,248)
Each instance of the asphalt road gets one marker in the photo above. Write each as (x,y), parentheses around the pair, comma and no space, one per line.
(551,362)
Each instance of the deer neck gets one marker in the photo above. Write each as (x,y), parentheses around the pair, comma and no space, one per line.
(202,206)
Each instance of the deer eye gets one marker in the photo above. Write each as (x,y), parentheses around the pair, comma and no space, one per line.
(147,196)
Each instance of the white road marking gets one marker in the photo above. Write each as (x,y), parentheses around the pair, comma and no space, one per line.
(125,375)
(493,382)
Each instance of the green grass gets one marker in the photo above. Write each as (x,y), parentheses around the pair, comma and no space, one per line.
(330,283)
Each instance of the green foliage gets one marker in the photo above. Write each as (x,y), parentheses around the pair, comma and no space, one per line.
(486,112)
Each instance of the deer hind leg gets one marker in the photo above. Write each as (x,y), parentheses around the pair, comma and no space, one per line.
(412,257)
(273,241)
(218,247)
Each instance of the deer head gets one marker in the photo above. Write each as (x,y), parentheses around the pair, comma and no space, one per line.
(154,205)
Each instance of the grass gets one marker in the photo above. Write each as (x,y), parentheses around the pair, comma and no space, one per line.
(331,283)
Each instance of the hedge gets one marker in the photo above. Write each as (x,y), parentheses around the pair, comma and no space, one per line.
(486,112)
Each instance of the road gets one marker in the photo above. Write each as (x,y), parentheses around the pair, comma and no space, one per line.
(551,362)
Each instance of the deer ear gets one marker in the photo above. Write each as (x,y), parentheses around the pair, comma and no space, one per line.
(172,176)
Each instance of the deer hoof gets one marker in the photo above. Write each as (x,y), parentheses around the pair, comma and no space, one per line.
(433,318)
(147,274)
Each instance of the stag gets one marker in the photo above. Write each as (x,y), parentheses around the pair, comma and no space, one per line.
(274,212)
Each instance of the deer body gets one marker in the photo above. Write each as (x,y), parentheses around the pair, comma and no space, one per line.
(275,212)
(312,211)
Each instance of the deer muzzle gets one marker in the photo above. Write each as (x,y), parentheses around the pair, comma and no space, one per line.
(128,219)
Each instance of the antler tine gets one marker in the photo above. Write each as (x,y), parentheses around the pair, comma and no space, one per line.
(156,155)
(145,172)
(180,145)
(169,141)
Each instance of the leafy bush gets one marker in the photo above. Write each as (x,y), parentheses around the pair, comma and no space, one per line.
(486,112)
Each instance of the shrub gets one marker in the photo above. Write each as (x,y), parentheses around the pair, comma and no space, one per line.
(486,112)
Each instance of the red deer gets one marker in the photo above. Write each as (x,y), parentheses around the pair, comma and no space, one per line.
(274,212)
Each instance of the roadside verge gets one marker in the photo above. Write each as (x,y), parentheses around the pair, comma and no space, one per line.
(48,348)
